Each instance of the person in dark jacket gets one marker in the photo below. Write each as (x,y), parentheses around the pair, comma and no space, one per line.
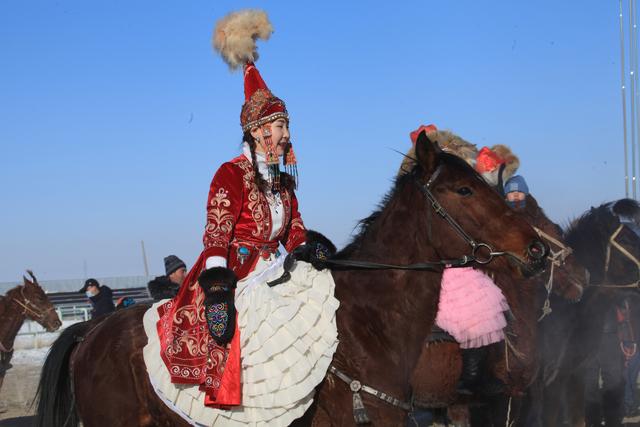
(100,297)
(167,286)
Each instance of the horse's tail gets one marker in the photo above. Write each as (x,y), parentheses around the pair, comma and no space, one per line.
(56,401)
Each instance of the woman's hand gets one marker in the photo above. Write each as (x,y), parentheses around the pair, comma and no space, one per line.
(316,251)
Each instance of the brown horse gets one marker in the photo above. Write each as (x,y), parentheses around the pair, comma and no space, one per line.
(440,364)
(578,335)
(23,302)
(382,321)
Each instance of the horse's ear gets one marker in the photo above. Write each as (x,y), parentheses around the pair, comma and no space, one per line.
(427,152)
(33,277)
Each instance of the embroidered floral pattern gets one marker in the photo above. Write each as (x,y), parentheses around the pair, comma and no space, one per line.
(219,220)
(257,204)
(217,318)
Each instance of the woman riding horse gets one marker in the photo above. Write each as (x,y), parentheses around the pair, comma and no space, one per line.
(223,305)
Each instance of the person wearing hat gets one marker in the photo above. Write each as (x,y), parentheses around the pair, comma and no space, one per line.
(100,297)
(229,298)
(167,286)
(516,191)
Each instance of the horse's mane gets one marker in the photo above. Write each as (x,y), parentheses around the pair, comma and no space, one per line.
(627,209)
(594,226)
(605,213)
(364,225)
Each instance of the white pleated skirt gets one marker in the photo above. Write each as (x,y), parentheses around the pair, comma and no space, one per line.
(288,336)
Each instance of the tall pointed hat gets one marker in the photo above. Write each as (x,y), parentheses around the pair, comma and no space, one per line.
(235,39)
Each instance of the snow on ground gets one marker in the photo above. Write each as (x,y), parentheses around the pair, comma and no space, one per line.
(31,356)
(30,351)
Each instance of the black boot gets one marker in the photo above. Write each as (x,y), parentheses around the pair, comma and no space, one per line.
(472,364)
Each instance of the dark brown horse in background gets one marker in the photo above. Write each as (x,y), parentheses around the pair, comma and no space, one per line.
(27,301)
(383,319)
(439,367)
(574,335)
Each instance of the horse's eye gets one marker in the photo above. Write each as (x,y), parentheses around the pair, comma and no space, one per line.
(464,191)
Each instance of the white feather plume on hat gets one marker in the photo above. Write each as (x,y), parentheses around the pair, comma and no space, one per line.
(235,35)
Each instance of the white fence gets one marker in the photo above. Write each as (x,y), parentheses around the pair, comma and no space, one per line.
(32,335)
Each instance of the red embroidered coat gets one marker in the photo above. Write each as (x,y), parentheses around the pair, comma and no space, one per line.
(239,227)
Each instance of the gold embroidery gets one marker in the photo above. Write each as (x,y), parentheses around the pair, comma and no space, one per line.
(219,220)
(257,201)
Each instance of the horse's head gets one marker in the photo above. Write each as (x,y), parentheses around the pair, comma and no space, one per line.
(606,240)
(469,217)
(569,276)
(35,305)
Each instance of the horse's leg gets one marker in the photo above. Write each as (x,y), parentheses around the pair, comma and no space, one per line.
(436,374)
(3,408)
(612,365)
(553,401)
(575,398)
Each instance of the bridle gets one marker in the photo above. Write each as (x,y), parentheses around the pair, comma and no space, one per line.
(27,307)
(614,244)
(611,245)
(557,258)
(30,308)
(359,411)
(474,256)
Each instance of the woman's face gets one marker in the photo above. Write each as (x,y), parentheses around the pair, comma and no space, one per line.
(279,130)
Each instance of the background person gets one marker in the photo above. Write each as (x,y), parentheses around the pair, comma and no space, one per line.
(100,297)
(167,286)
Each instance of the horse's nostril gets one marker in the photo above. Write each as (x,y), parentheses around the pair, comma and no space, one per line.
(537,250)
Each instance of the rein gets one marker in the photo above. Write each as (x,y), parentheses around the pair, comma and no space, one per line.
(557,260)
(359,411)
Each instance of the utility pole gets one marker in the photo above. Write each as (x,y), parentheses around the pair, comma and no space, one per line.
(624,104)
(144,259)
(630,91)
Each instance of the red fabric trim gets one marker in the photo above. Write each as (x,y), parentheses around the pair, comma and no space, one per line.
(215,251)
(487,160)
(414,135)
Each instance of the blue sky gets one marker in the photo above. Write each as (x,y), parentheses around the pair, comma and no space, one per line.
(115,115)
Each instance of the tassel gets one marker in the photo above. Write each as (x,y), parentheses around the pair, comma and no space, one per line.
(274,174)
(360,415)
(291,164)
(272,160)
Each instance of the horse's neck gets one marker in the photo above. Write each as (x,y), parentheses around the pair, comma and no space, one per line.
(11,320)
(385,316)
